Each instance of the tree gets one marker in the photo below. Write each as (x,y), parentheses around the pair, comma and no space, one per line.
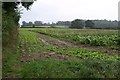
(63,23)
(24,24)
(10,18)
(119,25)
(38,23)
(30,24)
(77,23)
(89,24)
(105,24)
(33,26)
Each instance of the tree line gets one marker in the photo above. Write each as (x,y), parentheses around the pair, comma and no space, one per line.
(77,23)
(95,24)
(40,23)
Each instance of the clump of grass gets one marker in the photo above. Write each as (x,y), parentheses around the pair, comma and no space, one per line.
(70,69)
(10,58)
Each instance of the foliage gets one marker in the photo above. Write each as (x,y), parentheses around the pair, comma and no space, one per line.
(10,18)
(9,29)
(0,15)
(89,24)
(94,37)
(40,23)
(97,24)
(105,24)
(77,23)
(27,4)
(85,54)
(63,23)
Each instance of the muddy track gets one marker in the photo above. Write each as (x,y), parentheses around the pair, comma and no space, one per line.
(65,44)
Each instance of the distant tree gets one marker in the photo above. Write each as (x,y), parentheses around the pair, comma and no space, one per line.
(24,24)
(77,23)
(38,23)
(53,24)
(105,24)
(119,25)
(89,24)
(30,24)
(33,26)
(63,23)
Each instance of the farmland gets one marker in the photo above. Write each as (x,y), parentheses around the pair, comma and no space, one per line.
(64,53)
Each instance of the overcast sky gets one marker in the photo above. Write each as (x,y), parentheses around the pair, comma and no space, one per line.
(68,10)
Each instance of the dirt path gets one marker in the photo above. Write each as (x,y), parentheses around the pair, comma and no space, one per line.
(64,44)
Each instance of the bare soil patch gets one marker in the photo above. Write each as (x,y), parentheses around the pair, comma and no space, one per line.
(45,55)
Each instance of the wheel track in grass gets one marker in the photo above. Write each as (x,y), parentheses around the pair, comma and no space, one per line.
(66,44)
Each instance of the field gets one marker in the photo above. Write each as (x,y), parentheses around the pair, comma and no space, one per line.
(64,53)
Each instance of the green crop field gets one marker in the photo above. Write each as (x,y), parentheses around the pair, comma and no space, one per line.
(64,53)
(93,37)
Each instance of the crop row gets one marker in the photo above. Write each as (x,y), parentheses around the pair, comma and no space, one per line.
(85,54)
(29,41)
(107,38)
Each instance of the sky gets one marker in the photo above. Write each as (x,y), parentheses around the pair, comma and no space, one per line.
(68,10)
